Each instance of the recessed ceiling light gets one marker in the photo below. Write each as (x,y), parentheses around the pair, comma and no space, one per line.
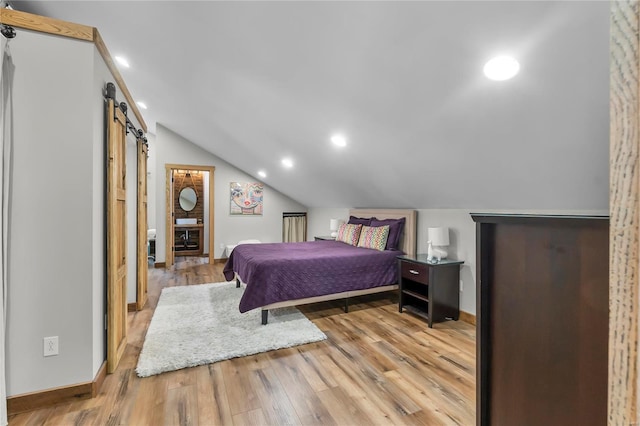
(262,174)
(501,68)
(122,61)
(142,105)
(287,162)
(339,140)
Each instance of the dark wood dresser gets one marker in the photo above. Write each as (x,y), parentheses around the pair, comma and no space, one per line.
(542,319)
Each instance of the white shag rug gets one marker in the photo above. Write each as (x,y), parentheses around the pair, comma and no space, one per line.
(201,324)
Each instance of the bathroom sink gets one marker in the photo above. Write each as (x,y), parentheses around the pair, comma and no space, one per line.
(189,221)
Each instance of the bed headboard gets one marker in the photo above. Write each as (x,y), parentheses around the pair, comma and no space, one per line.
(408,239)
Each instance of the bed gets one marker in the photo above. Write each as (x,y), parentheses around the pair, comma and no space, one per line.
(288,274)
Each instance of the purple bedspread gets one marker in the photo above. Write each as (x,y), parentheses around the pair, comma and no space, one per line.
(278,272)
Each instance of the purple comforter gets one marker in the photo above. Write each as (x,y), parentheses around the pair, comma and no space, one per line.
(278,272)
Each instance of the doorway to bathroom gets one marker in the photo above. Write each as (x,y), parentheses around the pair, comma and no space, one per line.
(189,212)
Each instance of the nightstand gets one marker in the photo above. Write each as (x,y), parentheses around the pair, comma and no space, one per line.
(324,238)
(429,289)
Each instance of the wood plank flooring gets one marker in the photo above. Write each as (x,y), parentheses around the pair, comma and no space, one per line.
(376,367)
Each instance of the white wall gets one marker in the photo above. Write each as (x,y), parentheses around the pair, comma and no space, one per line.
(51,252)
(318,220)
(174,149)
(151,181)
(98,216)
(57,213)
(462,235)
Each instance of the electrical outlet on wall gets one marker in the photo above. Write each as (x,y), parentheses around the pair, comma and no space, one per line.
(461,286)
(50,346)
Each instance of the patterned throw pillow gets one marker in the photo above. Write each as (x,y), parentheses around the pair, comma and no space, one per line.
(348,233)
(374,237)
(395,230)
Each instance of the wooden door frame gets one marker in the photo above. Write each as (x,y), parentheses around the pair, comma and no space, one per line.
(624,198)
(169,222)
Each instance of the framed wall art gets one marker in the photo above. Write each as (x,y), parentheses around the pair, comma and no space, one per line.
(246,199)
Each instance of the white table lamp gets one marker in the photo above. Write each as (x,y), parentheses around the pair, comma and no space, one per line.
(334,224)
(438,241)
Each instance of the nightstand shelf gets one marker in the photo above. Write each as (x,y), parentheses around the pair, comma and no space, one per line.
(429,289)
(416,311)
(416,295)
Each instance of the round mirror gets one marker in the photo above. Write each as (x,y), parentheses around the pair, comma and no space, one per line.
(188,199)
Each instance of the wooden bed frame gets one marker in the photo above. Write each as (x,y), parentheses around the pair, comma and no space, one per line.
(408,244)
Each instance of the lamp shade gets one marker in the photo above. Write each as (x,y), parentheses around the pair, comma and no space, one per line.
(334,224)
(439,236)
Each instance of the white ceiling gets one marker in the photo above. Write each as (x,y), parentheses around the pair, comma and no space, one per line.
(253,82)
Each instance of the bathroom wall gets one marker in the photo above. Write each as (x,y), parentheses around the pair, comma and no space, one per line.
(189,179)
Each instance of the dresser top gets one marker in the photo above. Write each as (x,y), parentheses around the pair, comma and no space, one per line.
(521,217)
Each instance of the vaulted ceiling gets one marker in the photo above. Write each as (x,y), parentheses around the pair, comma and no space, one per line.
(253,82)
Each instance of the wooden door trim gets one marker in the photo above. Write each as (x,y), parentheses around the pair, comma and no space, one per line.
(168,237)
(46,25)
(624,195)
(169,257)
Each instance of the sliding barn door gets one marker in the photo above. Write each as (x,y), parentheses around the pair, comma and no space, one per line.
(141,297)
(116,236)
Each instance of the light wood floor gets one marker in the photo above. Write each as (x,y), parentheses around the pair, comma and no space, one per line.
(376,367)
